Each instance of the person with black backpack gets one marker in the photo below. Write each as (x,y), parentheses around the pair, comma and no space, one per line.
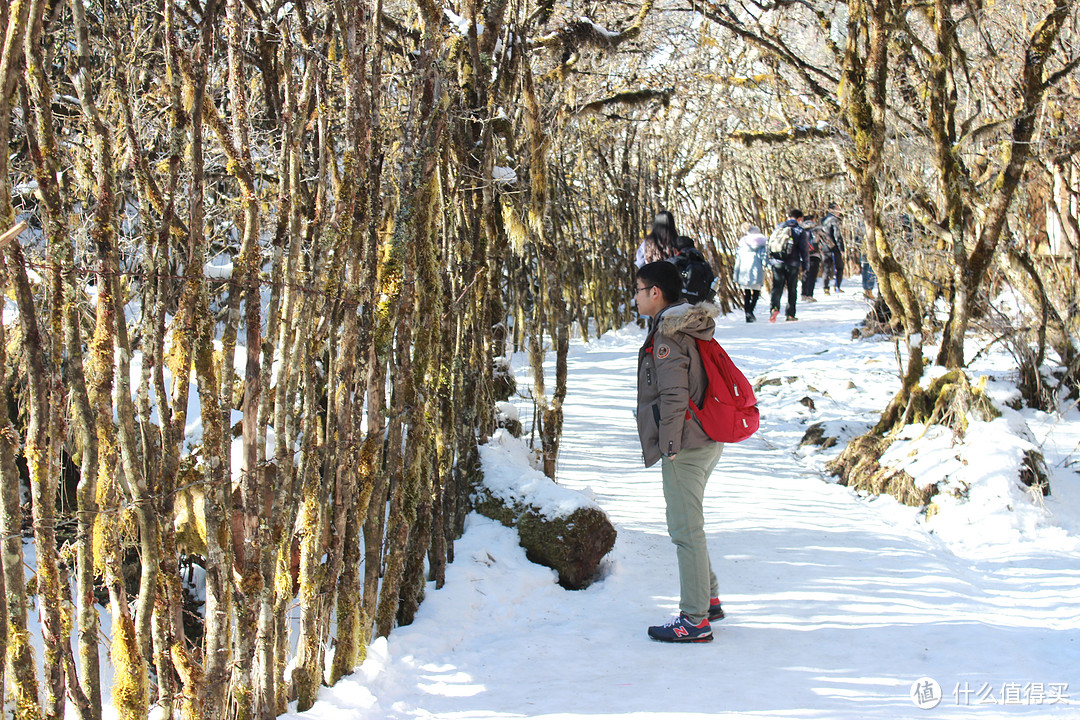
(833,264)
(787,255)
(697,273)
(815,256)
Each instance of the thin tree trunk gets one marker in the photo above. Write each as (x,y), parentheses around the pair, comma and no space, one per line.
(207,697)
(43,484)
(170,650)
(971,270)
(310,525)
(41,452)
(357,460)
(14,17)
(255,652)
(23,688)
(83,421)
(66,324)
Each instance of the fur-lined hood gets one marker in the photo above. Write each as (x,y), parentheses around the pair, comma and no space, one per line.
(698,321)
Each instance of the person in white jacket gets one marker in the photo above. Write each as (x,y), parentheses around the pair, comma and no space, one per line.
(750,267)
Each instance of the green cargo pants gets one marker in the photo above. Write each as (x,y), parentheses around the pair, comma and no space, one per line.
(684,491)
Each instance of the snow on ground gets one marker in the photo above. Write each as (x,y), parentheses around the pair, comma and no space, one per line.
(839,606)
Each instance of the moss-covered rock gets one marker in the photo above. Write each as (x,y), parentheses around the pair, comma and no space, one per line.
(503,384)
(558,527)
(858,467)
(506,416)
(815,435)
(572,545)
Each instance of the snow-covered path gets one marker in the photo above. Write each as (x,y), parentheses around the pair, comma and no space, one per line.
(836,604)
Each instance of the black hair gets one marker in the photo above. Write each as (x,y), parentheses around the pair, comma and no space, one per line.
(795,213)
(663,275)
(683,241)
(660,242)
(664,222)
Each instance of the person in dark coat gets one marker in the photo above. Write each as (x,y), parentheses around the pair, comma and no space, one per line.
(815,257)
(833,263)
(785,269)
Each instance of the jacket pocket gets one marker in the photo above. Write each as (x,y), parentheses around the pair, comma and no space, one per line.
(656,414)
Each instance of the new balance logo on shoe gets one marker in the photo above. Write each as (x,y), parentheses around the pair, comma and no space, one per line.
(682,630)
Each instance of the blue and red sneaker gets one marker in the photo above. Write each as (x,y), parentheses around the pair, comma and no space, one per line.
(680,629)
(715,611)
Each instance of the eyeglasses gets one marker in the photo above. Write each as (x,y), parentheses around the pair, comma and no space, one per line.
(642,289)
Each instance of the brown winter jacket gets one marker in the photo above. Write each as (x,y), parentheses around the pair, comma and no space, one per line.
(669,374)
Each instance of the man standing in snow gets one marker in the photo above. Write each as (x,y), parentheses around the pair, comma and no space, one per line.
(833,264)
(670,372)
(785,267)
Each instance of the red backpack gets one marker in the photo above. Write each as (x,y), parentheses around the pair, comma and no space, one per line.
(729,411)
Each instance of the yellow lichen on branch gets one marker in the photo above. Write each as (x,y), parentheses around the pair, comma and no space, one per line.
(130,688)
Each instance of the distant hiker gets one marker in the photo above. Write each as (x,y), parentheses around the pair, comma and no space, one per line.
(814,256)
(787,254)
(697,273)
(833,263)
(670,372)
(661,242)
(750,267)
(869,279)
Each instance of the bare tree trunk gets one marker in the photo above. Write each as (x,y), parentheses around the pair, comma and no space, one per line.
(864,102)
(362,113)
(87,489)
(1053,330)
(44,152)
(23,675)
(161,455)
(43,483)
(255,652)
(970,275)
(1061,203)
(14,21)
(421,464)
(310,526)
(41,453)
(374,518)
(205,689)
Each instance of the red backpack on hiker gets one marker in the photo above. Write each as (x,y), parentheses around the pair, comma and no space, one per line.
(729,411)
